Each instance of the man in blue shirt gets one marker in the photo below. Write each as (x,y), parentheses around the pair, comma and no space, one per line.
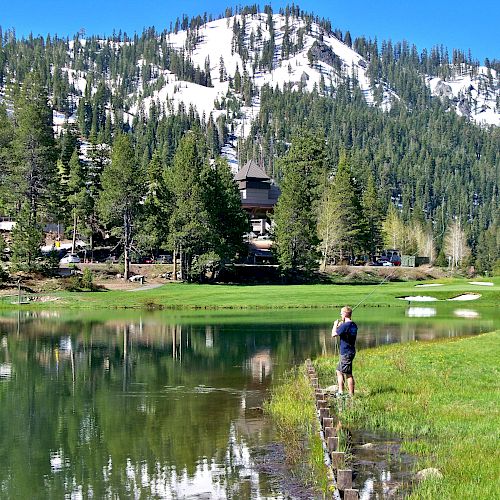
(347,330)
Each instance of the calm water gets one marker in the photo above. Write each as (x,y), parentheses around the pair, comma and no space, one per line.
(159,405)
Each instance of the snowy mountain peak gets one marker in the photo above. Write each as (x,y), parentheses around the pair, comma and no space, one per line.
(237,56)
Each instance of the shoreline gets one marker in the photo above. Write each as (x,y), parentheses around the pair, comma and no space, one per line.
(182,296)
(447,419)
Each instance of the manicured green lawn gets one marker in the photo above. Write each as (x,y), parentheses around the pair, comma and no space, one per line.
(191,296)
(443,398)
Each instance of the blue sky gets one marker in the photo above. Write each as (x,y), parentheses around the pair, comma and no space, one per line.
(455,24)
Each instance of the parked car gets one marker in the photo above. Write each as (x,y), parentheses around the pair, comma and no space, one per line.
(70,258)
(164,259)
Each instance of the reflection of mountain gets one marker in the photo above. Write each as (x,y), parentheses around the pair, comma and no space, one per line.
(131,407)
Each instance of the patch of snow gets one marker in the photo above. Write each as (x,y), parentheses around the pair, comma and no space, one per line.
(472,94)
(230,154)
(5,370)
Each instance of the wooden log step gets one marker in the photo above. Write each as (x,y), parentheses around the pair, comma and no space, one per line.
(338,459)
(351,494)
(333,443)
(323,413)
(344,479)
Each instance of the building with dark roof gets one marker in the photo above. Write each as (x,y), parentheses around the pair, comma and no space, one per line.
(258,193)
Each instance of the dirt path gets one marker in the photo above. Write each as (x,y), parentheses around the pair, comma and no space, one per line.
(146,287)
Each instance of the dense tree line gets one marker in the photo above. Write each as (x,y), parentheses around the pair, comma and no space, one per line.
(417,165)
(434,166)
(158,186)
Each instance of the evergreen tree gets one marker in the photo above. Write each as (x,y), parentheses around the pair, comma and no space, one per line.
(222,70)
(228,221)
(346,225)
(27,238)
(78,195)
(153,232)
(6,136)
(295,234)
(121,193)
(372,211)
(34,176)
(237,80)
(488,253)
(189,223)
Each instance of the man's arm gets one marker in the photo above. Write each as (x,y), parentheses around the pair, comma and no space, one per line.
(336,324)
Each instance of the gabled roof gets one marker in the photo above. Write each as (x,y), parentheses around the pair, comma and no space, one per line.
(251,171)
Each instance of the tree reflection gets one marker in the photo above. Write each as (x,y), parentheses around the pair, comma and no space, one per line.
(145,406)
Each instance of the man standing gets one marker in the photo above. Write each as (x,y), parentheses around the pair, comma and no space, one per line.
(347,330)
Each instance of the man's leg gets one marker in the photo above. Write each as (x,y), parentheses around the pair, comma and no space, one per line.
(340,380)
(350,384)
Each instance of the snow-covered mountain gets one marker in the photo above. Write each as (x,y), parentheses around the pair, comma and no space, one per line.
(474,95)
(319,60)
(216,42)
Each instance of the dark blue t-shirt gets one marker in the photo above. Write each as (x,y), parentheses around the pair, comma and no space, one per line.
(347,332)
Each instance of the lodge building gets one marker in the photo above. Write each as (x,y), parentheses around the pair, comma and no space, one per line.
(259,195)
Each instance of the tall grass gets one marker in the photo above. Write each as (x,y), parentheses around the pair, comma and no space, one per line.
(442,398)
(292,408)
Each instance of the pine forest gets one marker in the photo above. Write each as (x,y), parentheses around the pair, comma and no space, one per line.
(132,141)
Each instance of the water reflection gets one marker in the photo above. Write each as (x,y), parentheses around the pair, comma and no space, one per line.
(421,312)
(150,405)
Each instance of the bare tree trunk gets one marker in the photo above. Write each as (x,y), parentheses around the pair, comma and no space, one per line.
(327,246)
(73,243)
(174,276)
(126,238)
(181,264)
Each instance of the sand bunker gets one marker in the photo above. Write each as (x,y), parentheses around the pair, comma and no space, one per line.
(429,284)
(421,312)
(467,296)
(418,298)
(481,283)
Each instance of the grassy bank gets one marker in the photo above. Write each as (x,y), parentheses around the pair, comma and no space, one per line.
(190,296)
(292,408)
(442,398)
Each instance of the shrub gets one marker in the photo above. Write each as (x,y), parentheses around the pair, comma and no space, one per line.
(84,283)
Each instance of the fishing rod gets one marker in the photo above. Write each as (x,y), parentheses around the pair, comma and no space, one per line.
(374,289)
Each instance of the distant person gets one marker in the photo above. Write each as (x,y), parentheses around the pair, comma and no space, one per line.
(347,330)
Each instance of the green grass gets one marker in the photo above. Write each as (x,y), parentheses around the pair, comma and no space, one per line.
(443,399)
(292,408)
(191,296)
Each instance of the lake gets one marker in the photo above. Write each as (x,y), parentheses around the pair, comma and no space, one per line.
(166,405)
